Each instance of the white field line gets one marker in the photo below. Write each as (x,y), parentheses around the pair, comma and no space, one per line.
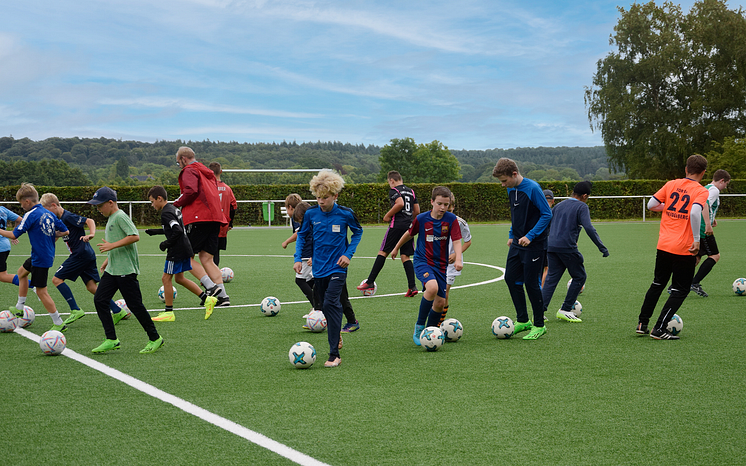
(219,421)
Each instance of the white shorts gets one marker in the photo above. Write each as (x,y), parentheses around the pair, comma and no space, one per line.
(451,274)
(305,271)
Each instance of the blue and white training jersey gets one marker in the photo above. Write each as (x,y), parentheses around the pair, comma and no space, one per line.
(6,217)
(42,227)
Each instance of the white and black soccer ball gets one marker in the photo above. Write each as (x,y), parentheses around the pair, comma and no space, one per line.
(302,355)
(569,282)
(577,308)
(503,327)
(675,325)
(8,321)
(739,286)
(123,306)
(315,321)
(52,342)
(432,338)
(27,318)
(270,306)
(162,294)
(227,274)
(452,329)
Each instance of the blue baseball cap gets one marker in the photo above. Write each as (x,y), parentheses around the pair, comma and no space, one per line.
(102,195)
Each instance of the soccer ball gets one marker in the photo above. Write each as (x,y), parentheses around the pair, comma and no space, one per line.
(569,282)
(432,338)
(452,329)
(8,321)
(302,355)
(739,286)
(123,306)
(270,306)
(52,342)
(227,274)
(502,327)
(162,294)
(315,321)
(369,291)
(577,308)
(675,325)
(27,318)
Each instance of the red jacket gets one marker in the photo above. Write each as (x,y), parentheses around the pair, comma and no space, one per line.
(228,204)
(199,200)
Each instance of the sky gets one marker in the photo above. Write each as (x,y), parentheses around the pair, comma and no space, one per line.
(471,74)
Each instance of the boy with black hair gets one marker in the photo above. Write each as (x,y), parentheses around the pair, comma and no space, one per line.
(562,248)
(680,202)
(43,228)
(404,208)
(178,255)
(529,216)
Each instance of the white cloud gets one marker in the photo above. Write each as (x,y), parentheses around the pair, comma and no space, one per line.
(192,106)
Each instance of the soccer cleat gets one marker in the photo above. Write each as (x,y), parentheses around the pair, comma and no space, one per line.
(210,303)
(697,288)
(165,317)
(333,362)
(59,328)
(365,286)
(75,314)
(223,301)
(568,316)
(107,345)
(660,334)
(411,292)
(117,316)
(351,327)
(642,329)
(535,333)
(417,332)
(522,327)
(152,346)
(211,292)
(306,327)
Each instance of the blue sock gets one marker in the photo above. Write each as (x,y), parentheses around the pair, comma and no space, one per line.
(425,307)
(433,319)
(15,280)
(113,307)
(67,293)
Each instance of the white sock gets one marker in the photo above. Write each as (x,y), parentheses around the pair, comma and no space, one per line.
(21,302)
(207,282)
(56,318)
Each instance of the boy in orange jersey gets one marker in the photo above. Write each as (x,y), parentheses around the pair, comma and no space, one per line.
(681,202)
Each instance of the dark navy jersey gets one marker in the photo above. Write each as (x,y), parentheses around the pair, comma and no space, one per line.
(76,227)
(307,251)
(403,218)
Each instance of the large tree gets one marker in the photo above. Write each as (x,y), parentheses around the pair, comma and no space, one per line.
(419,163)
(675,86)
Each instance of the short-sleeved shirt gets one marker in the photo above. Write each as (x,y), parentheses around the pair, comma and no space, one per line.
(678,196)
(465,234)
(42,227)
(123,260)
(713,202)
(403,218)
(6,216)
(76,226)
(433,236)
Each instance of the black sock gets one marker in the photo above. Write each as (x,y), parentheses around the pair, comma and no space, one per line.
(377,266)
(704,269)
(169,309)
(409,270)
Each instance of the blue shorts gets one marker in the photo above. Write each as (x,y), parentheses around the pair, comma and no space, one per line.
(172,268)
(425,273)
(73,268)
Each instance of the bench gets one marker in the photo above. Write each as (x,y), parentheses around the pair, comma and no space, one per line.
(284,213)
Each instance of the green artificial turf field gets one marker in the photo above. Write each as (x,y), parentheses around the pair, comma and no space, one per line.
(588,393)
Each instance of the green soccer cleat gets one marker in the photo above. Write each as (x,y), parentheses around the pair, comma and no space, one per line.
(522,327)
(153,346)
(107,345)
(165,317)
(535,333)
(75,314)
(59,328)
(210,303)
(117,316)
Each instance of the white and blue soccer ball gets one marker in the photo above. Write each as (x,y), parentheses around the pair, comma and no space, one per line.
(452,329)
(123,306)
(27,318)
(162,294)
(432,338)
(569,282)
(227,274)
(52,342)
(503,327)
(675,325)
(739,286)
(302,355)
(315,321)
(577,308)
(270,306)
(8,321)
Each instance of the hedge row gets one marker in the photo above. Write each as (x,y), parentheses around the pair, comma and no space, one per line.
(476,202)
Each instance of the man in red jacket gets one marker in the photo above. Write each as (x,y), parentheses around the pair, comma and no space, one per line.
(200,210)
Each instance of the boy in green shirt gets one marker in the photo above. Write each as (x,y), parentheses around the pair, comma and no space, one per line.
(119,273)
